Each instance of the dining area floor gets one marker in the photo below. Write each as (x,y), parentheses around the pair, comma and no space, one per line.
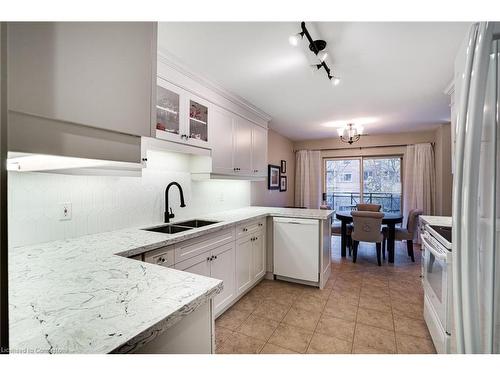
(364,309)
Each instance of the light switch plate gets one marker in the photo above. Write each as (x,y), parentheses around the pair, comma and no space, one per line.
(65,211)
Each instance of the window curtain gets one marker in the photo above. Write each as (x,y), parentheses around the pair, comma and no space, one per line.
(419,179)
(308,179)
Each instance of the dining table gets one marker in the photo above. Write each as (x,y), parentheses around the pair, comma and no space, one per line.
(390,219)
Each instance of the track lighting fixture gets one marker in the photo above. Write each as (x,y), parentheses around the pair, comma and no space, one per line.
(317,47)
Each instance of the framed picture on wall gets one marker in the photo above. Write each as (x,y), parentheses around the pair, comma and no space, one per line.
(283,166)
(273,177)
(283,183)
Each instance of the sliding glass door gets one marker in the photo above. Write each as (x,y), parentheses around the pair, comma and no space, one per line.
(343,183)
(364,179)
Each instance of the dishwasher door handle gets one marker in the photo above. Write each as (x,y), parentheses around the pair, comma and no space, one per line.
(285,220)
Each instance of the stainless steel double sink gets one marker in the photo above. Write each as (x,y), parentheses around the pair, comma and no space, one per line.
(181,227)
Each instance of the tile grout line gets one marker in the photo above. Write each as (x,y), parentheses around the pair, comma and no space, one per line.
(271,335)
(316,326)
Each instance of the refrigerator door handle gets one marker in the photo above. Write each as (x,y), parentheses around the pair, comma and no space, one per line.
(469,255)
(457,188)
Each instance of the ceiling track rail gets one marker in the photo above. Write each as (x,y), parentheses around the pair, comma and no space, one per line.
(315,49)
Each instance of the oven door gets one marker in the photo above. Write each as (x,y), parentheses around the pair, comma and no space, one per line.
(436,278)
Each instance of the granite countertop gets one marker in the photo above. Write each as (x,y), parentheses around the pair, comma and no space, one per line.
(78,296)
(444,221)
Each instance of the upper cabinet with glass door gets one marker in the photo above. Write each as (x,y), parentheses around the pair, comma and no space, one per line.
(198,122)
(180,116)
(167,111)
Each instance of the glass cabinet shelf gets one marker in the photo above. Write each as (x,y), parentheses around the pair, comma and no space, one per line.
(167,110)
(198,121)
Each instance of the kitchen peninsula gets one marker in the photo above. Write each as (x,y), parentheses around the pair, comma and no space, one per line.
(87,294)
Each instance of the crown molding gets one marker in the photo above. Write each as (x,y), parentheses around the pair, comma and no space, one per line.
(173,62)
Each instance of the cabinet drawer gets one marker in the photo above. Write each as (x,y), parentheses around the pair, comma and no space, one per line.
(164,256)
(252,226)
(188,249)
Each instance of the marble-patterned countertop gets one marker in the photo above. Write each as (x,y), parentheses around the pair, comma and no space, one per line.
(78,296)
(444,221)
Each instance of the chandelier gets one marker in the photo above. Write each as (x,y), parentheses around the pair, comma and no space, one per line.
(350,133)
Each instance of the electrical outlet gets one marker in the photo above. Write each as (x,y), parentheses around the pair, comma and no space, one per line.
(65,211)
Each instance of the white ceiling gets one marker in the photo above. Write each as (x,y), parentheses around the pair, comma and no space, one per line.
(392,73)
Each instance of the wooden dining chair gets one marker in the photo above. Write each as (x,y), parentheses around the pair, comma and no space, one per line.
(405,234)
(337,231)
(368,207)
(367,228)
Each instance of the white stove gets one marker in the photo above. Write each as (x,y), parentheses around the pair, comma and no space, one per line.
(437,283)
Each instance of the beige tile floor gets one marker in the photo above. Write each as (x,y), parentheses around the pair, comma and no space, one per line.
(363,309)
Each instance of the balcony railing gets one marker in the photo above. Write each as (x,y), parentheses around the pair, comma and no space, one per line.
(345,201)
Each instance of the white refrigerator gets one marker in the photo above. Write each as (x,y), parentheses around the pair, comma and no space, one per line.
(476,193)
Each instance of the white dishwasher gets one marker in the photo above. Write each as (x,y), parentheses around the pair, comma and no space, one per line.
(296,248)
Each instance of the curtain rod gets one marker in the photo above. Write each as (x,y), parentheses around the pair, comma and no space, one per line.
(360,148)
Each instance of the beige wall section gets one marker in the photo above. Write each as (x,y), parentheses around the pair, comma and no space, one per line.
(278,148)
(369,145)
(444,178)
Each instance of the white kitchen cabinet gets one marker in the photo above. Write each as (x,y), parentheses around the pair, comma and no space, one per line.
(250,255)
(193,334)
(181,116)
(239,146)
(223,268)
(242,154)
(222,141)
(97,74)
(244,264)
(259,255)
(199,265)
(259,151)
(218,263)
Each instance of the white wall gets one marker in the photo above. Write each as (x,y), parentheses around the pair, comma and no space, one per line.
(103,203)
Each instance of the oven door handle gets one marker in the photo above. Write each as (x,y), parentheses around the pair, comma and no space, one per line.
(439,255)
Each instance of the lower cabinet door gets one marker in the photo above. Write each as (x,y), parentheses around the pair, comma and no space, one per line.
(244,264)
(199,265)
(223,268)
(259,264)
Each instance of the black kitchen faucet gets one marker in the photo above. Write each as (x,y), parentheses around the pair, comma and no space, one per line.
(170,215)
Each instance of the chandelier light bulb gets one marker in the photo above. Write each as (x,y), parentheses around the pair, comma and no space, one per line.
(335,81)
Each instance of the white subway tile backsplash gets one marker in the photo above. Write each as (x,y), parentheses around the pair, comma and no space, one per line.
(104,203)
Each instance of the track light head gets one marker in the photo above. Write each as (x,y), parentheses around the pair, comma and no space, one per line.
(322,55)
(315,67)
(295,39)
